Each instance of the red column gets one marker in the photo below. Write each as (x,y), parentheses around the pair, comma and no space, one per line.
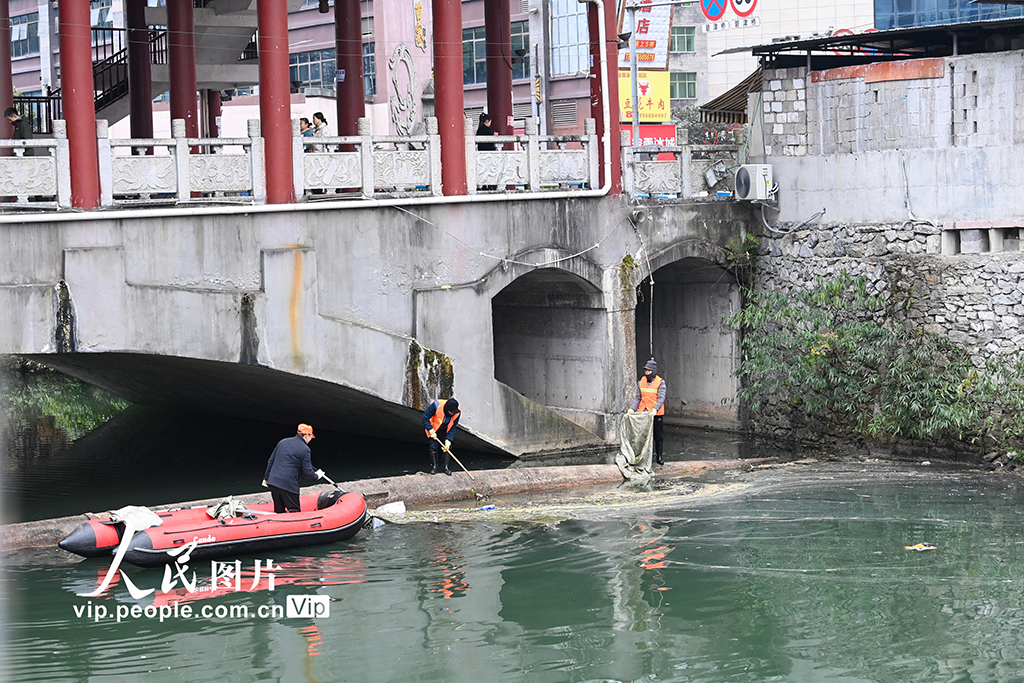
(498,35)
(140,78)
(275,99)
(182,45)
(6,85)
(213,112)
(76,94)
(348,43)
(596,96)
(448,102)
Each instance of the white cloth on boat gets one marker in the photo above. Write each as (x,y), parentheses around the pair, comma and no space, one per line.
(636,443)
(227,508)
(138,516)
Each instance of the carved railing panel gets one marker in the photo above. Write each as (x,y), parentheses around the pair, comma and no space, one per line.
(396,168)
(143,175)
(657,177)
(564,166)
(331,170)
(28,176)
(220,173)
(501,168)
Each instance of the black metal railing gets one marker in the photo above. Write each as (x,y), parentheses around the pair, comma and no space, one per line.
(251,50)
(158,50)
(40,110)
(110,80)
(107,42)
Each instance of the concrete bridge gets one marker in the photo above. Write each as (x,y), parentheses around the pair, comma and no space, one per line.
(353,317)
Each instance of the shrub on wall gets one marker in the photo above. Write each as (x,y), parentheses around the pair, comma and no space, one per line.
(838,359)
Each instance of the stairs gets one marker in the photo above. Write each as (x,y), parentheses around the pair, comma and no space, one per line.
(225,35)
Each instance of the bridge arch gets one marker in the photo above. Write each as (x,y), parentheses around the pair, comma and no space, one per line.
(697,352)
(550,340)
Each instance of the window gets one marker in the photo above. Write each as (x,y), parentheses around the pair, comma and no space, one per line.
(683,86)
(99,14)
(682,39)
(370,69)
(569,38)
(521,41)
(313,69)
(900,13)
(25,35)
(474,55)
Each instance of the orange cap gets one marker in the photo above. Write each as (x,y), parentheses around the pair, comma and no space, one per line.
(306,429)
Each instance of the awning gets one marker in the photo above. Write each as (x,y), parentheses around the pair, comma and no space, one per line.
(731,106)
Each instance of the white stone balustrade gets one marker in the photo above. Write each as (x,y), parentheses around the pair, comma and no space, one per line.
(183,170)
(681,176)
(36,173)
(177,172)
(535,163)
(404,165)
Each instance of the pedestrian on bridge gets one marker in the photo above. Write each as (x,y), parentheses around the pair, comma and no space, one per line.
(288,463)
(650,396)
(439,421)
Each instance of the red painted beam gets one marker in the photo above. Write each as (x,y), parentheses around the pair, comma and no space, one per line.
(448,100)
(77,98)
(348,42)
(182,44)
(596,96)
(498,37)
(213,110)
(275,99)
(140,77)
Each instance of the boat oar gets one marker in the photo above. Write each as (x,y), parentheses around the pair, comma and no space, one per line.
(330,481)
(449,452)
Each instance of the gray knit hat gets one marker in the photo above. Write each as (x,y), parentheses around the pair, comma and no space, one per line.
(652,365)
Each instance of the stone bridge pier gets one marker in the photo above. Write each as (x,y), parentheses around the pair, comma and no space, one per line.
(353,318)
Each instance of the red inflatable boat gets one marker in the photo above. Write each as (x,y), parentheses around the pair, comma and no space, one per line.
(325,518)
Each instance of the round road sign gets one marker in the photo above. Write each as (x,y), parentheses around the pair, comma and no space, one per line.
(743,8)
(713,9)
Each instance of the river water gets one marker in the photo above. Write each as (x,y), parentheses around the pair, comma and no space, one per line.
(798,573)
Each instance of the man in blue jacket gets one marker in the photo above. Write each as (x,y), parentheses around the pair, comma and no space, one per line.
(289,461)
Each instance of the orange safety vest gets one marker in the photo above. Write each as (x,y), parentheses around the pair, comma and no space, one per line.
(438,417)
(649,395)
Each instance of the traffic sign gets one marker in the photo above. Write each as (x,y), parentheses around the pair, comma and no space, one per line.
(743,8)
(713,9)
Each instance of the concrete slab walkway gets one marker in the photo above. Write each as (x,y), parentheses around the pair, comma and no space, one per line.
(413,489)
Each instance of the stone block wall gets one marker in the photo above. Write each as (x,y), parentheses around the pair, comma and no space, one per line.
(784,107)
(932,103)
(975,300)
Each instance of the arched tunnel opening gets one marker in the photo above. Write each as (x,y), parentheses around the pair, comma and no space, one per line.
(697,353)
(550,337)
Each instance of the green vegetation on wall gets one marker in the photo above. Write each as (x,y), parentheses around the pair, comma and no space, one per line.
(839,359)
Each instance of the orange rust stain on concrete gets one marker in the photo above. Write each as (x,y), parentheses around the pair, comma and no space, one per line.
(838,74)
(909,70)
(295,307)
(912,69)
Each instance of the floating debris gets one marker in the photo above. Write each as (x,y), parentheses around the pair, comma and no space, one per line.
(920,546)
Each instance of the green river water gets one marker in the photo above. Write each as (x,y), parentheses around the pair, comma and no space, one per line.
(797,573)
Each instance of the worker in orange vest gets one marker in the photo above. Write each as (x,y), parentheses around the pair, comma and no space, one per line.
(439,422)
(650,396)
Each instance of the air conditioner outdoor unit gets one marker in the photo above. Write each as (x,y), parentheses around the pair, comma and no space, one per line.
(754,181)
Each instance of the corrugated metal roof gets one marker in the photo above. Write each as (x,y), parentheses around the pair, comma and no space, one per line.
(731,106)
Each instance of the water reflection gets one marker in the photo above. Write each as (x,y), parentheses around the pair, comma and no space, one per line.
(148,456)
(801,577)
